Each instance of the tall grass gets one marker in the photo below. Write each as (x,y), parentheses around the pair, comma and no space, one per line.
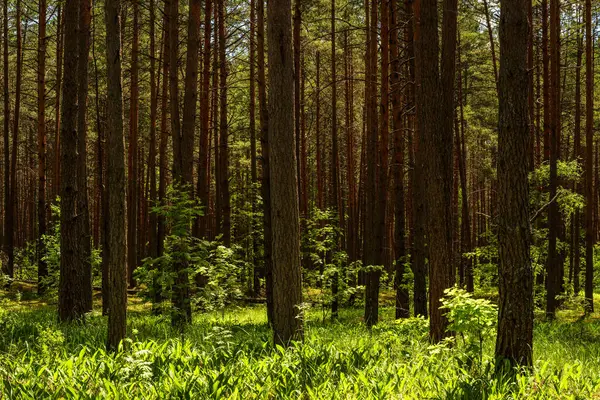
(229,356)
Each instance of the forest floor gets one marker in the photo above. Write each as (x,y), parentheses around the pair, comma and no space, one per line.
(227,355)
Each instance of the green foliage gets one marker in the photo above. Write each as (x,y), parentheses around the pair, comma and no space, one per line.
(215,266)
(473,320)
(322,241)
(228,356)
(220,270)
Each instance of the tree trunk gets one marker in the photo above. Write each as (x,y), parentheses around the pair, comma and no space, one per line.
(152,218)
(287,279)
(71,298)
(60,38)
(132,164)
(577,156)
(589,160)
(465,234)
(515,320)
(335,164)
(116,251)
(553,277)
(224,131)
(182,168)
(488,25)
(402,297)
(204,150)
(256,272)
(372,235)
(8,214)
(266,175)
(41,121)
(435,119)
(418,205)
(297,21)
(83,219)
(13,208)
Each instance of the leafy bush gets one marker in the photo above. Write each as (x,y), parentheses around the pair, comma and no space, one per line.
(474,320)
(214,267)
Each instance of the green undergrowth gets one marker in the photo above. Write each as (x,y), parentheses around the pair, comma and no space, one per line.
(228,355)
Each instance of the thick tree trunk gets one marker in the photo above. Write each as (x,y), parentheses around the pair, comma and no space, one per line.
(515,320)
(287,279)
(71,298)
(435,120)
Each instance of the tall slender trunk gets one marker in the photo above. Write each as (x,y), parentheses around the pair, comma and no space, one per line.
(190,99)
(488,25)
(319,155)
(287,280)
(402,296)
(182,164)
(154,85)
(577,155)
(372,236)
(204,150)
(115,172)
(589,160)
(102,213)
(256,273)
(60,38)
(13,208)
(335,162)
(266,173)
(8,215)
(71,298)
(352,226)
(465,234)
(224,131)
(85,21)
(41,125)
(418,204)
(164,136)
(297,21)
(132,159)
(546,87)
(553,278)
